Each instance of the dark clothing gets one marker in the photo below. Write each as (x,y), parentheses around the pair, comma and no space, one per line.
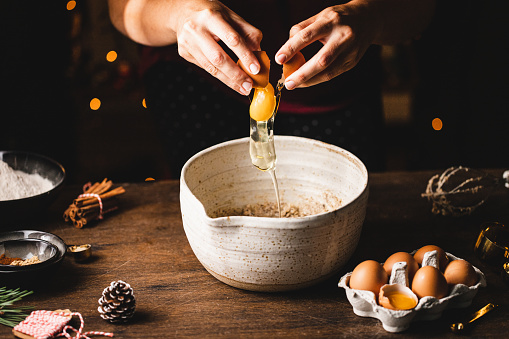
(195,110)
(193,114)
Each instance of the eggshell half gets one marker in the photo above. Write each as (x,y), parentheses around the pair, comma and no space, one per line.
(397,297)
(293,64)
(260,80)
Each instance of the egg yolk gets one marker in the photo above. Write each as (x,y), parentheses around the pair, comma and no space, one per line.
(401,301)
(263,103)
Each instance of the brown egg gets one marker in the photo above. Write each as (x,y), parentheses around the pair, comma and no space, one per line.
(442,257)
(260,80)
(369,275)
(412,265)
(293,64)
(460,272)
(429,281)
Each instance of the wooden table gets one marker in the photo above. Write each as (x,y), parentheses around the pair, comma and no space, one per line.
(145,245)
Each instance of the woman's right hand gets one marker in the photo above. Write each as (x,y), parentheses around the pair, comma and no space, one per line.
(196,26)
(201,25)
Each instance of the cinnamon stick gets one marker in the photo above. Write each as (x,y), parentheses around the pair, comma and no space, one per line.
(86,209)
(90,200)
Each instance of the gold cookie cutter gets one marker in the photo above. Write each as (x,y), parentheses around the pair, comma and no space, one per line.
(492,246)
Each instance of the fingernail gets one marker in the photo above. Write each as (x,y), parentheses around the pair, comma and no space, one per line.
(254,69)
(247,87)
(281,58)
(289,85)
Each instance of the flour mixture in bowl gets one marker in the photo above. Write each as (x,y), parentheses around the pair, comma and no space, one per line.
(16,184)
(271,210)
(29,183)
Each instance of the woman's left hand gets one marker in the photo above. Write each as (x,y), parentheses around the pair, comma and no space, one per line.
(345,34)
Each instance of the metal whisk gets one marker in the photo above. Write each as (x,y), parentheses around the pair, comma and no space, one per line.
(460,190)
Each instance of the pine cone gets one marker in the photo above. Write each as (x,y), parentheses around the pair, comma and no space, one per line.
(117,302)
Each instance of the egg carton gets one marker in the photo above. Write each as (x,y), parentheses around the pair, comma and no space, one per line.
(428,308)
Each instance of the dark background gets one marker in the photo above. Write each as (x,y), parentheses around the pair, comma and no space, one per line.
(53,62)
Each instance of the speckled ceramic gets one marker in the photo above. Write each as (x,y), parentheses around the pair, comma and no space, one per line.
(428,308)
(274,254)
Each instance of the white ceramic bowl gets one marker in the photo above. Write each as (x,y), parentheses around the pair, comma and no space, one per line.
(274,254)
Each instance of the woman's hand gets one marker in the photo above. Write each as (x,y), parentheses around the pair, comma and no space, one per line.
(196,26)
(202,25)
(345,36)
(346,31)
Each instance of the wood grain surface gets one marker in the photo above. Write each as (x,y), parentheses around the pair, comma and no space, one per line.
(144,244)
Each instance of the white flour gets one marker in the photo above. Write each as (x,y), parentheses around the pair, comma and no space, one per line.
(18,185)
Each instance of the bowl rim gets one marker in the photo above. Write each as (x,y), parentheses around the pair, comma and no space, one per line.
(40,266)
(37,155)
(50,259)
(271,222)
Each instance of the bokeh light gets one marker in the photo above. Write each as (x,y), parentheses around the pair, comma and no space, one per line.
(71,5)
(437,124)
(111,56)
(95,104)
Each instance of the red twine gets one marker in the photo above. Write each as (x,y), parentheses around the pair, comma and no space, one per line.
(98,197)
(87,186)
(47,324)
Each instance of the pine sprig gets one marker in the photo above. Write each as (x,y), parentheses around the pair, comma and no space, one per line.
(10,316)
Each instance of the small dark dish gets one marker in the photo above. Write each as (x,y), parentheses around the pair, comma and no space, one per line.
(25,208)
(51,247)
(25,249)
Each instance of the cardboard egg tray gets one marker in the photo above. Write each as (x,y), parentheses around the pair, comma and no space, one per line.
(428,308)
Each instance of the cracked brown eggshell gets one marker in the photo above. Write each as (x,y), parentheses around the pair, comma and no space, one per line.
(261,79)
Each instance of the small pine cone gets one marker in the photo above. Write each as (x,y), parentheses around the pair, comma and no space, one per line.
(117,302)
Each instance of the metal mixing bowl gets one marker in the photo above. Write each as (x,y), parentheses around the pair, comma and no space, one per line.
(27,208)
(50,247)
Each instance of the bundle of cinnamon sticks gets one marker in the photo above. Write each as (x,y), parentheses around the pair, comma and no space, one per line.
(96,200)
